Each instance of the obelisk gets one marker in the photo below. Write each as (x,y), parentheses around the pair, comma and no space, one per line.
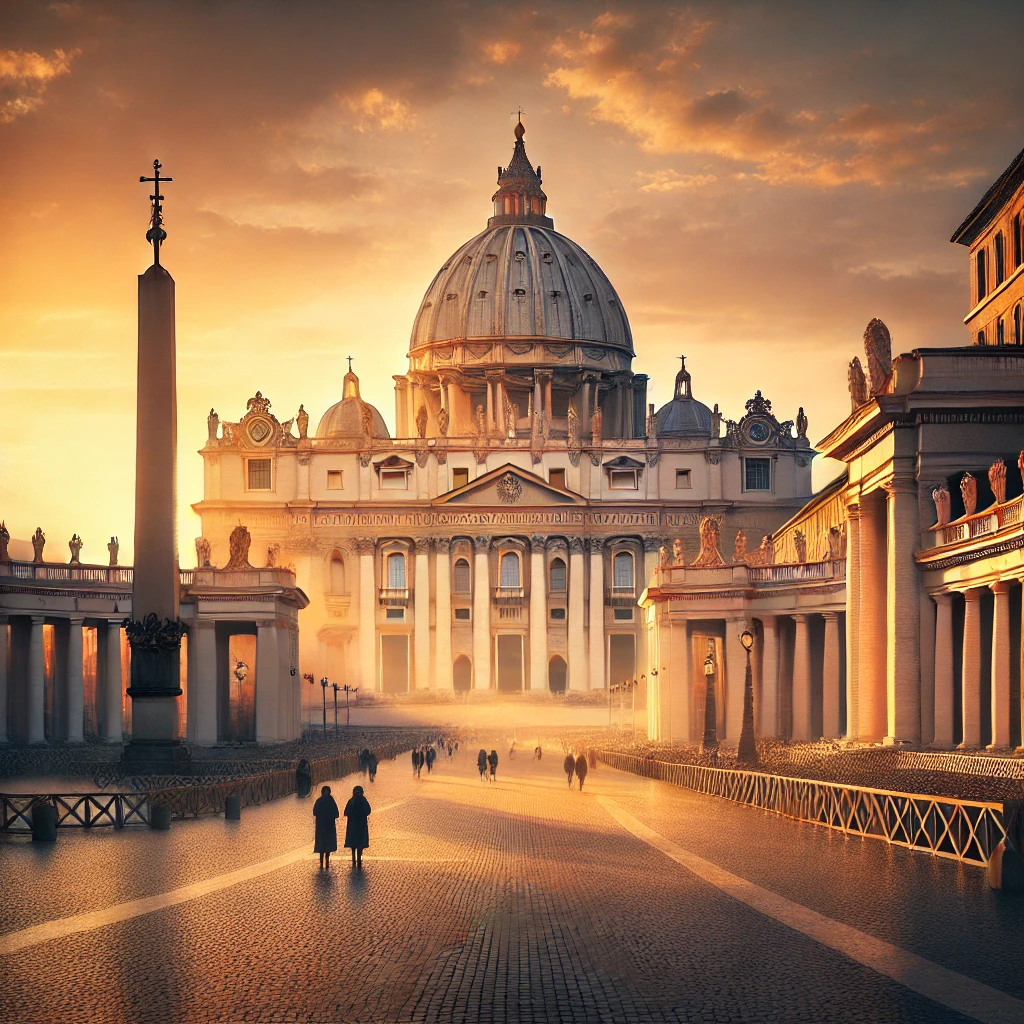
(154,631)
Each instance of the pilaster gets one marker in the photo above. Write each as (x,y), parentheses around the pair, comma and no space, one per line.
(736,667)
(971,674)
(597,630)
(678,683)
(1000,665)
(482,613)
(203,730)
(421,617)
(36,683)
(577,644)
(538,613)
(802,681)
(76,682)
(942,737)
(267,682)
(365,548)
(830,678)
(443,614)
(769,704)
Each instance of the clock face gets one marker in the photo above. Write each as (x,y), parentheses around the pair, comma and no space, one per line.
(758,432)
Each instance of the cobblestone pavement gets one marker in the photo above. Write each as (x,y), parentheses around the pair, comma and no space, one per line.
(514,901)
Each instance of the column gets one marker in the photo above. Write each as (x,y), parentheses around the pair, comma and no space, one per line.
(367,615)
(443,614)
(36,684)
(538,615)
(735,672)
(421,616)
(267,681)
(945,686)
(490,403)
(769,709)
(971,672)
(830,678)
(113,685)
(1000,665)
(481,613)
(577,645)
(76,682)
(597,641)
(675,678)
(4,649)
(853,620)
(538,405)
(873,629)
(927,614)
(802,681)
(903,614)
(203,730)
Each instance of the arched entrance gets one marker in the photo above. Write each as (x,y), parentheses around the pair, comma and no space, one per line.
(557,670)
(462,673)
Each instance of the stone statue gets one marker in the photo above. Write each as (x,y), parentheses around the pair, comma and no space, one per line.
(969,491)
(663,559)
(878,352)
(574,428)
(740,547)
(5,538)
(286,429)
(366,423)
(480,422)
(112,548)
(766,552)
(511,416)
(858,384)
(997,480)
(238,548)
(941,498)
(75,544)
(38,542)
(800,543)
(228,432)
(212,425)
(302,421)
(1020,464)
(801,422)
(710,553)
(274,555)
(652,421)
(597,425)
(442,422)
(421,421)
(202,553)
(716,422)
(678,552)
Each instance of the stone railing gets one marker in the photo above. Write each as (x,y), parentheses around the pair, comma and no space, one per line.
(393,597)
(241,579)
(122,575)
(980,524)
(742,575)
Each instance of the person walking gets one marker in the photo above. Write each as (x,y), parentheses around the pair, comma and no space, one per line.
(372,765)
(357,832)
(481,763)
(512,750)
(538,753)
(569,766)
(492,760)
(431,758)
(325,838)
(581,770)
(415,762)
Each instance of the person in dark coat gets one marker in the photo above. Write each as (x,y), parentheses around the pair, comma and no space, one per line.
(357,832)
(431,758)
(325,841)
(569,766)
(581,770)
(481,763)
(492,760)
(372,765)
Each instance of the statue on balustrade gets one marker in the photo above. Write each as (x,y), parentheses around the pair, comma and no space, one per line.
(941,498)
(801,422)
(663,559)
(421,421)
(302,422)
(858,384)
(800,544)
(274,556)
(203,553)
(878,350)
(442,422)
(678,552)
(5,539)
(969,492)
(38,543)
(511,417)
(112,549)
(710,553)
(836,544)
(997,480)
(740,547)
(238,548)
(716,422)
(75,544)
(212,425)
(766,551)
(227,431)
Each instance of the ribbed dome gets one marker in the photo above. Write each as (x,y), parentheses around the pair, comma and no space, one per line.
(684,416)
(344,419)
(521,281)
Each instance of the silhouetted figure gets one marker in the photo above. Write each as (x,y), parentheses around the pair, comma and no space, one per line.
(581,770)
(449,750)
(417,762)
(303,778)
(371,765)
(492,760)
(325,841)
(431,758)
(512,750)
(569,766)
(357,832)
(537,752)
(364,760)
(481,763)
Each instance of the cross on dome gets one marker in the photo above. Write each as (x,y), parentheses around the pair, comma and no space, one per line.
(156,233)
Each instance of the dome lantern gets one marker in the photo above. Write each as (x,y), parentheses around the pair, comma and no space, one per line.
(520,198)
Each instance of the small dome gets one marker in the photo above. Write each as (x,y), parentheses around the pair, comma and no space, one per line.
(684,416)
(344,420)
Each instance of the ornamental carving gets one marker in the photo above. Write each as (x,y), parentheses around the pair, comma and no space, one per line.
(482,543)
(678,552)
(837,543)
(203,553)
(596,545)
(942,505)
(595,458)
(969,492)
(576,545)
(710,553)
(422,457)
(150,634)
(238,548)
(652,457)
(444,545)
(857,384)
(997,480)
(800,543)
(364,458)
(510,489)
(712,458)
(520,348)
(363,545)
(878,352)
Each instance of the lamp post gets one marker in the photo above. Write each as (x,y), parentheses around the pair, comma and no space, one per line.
(611,688)
(323,686)
(709,745)
(336,688)
(308,676)
(747,752)
(348,689)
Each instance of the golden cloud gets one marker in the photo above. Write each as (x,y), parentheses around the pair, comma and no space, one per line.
(671,181)
(24,75)
(502,51)
(376,111)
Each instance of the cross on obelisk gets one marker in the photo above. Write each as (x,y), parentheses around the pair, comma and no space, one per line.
(349,358)
(156,233)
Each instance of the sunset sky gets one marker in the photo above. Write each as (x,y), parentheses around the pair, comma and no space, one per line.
(757,180)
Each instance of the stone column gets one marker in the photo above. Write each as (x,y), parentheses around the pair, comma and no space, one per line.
(944,682)
(76,682)
(830,678)
(971,673)
(443,614)
(873,629)
(769,707)
(577,644)
(597,679)
(204,639)
(538,404)
(1001,665)
(735,672)
(36,683)
(802,681)
(5,646)
(927,615)
(421,616)
(853,620)
(367,615)
(113,685)
(674,676)
(903,614)
(267,681)
(482,613)
(491,412)
(714,462)
(538,615)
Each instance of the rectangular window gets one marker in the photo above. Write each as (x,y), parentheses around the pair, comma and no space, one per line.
(682,479)
(1016,242)
(393,480)
(259,474)
(460,477)
(1000,332)
(462,614)
(758,474)
(556,477)
(1000,263)
(334,480)
(558,614)
(622,479)
(982,283)
(624,614)
(395,613)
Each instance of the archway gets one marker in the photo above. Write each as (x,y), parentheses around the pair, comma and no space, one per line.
(462,673)
(557,671)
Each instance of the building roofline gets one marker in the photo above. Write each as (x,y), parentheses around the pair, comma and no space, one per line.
(991,202)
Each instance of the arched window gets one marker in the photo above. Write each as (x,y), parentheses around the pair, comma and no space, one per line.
(557,671)
(337,574)
(1000,332)
(396,570)
(558,575)
(1016,242)
(1016,325)
(462,582)
(510,569)
(981,337)
(980,269)
(622,571)
(1000,260)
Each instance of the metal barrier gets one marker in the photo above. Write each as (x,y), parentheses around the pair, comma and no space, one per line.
(963,830)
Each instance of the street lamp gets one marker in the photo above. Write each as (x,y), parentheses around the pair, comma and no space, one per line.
(747,752)
(323,686)
(308,676)
(336,688)
(709,745)
(348,689)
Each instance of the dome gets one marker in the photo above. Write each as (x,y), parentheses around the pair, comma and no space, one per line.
(345,419)
(684,416)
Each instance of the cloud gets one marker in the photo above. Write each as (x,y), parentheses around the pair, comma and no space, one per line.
(671,181)
(24,76)
(502,51)
(375,111)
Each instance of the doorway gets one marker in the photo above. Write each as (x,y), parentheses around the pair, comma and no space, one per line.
(510,661)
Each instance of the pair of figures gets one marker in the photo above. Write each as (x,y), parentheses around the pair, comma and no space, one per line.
(357,831)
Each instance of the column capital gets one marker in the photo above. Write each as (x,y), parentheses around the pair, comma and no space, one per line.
(651,544)
(443,545)
(543,374)
(576,545)
(363,545)
(538,542)
(481,544)
(4,618)
(999,587)
(801,617)
(974,594)
(38,620)
(944,598)
(596,545)
(853,510)
(830,615)
(422,545)
(77,618)
(266,623)
(899,485)
(203,624)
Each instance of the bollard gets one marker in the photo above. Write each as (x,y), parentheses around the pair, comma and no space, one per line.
(44,823)
(160,816)
(233,807)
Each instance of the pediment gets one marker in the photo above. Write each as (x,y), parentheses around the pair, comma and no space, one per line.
(509,487)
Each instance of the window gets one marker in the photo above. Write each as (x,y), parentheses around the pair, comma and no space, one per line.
(1016,242)
(556,477)
(462,582)
(396,571)
(758,474)
(337,574)
(622,479)
(1016,325)
(558,614)
(624,613)
(981,337)
(622,571)
(460,477)
(1000,332)
(462,614)
(393,480)
(395,613)
(259,474)
(334,480)
(510,569)
(1000,262)
(980,268)
(683,479)
(558,575)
